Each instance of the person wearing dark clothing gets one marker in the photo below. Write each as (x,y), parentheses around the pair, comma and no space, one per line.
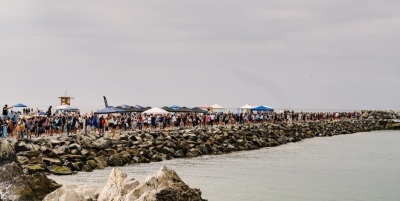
(5,111)
(153,121)
(48,113)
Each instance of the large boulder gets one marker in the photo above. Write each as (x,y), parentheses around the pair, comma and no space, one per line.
(164,185)
(117,187)
(75,193)
(14,184)
(59,170)
(7,154)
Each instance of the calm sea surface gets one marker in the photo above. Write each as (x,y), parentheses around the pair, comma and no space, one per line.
(363,166)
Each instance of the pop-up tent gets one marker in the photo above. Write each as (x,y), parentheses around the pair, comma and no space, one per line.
(263,108)
(123,106)
(155,110)
(168,109)
(174,107)
(183,110)
(217,108)
(247,107)
(19,105)
(198,110)
(204,107)
(66,108)
(110,110)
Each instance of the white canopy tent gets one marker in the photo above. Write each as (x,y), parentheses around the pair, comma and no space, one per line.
(216,106)
(155,110)
(66,108)
(246,107)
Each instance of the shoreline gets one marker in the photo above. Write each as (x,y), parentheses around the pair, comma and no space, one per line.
(69,155)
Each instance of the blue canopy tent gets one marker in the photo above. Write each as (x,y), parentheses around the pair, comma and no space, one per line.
(263,109)
(174,107)
(110,110)
(19,105)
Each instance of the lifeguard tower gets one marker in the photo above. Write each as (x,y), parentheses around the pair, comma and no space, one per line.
(66,100)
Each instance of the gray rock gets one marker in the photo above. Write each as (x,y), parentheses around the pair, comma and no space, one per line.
(52,161)
(75,146)
(59,170)
(29,154)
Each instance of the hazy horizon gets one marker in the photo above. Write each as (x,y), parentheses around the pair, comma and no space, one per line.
(314,55)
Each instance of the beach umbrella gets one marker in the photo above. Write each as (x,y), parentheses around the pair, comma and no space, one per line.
(155,110)
(19,105)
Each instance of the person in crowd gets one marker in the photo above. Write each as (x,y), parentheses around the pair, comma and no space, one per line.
(5,112)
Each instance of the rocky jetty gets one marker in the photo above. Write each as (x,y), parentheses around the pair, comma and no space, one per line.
(17,186)
(164,185)
(67,155)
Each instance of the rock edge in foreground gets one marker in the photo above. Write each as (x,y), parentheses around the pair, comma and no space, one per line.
(164,185)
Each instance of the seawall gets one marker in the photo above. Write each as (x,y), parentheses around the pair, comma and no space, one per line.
(67,155)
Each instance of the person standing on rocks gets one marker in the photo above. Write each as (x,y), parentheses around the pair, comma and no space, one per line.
(5,112)
(69,125)
(48,113)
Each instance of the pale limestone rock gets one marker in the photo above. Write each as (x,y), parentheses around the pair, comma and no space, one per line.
(164,185)
(74,192)
(118,185)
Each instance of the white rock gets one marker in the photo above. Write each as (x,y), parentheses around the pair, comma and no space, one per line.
(121,187)
(118,185)
(74,192)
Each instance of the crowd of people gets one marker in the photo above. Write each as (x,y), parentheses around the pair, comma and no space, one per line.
(30,124)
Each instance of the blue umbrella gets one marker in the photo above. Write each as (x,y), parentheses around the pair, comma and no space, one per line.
(19,105)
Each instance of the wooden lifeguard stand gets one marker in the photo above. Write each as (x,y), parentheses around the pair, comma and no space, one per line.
(66,100)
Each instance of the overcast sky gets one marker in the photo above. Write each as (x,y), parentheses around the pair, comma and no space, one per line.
(301,54)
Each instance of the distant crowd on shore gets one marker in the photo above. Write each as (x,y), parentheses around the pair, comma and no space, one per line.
(25,125)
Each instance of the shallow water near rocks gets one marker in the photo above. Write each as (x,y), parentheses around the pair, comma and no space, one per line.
(357,167)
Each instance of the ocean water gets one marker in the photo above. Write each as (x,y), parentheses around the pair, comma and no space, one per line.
(357,167)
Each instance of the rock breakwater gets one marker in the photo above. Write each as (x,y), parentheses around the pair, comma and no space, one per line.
(67,155)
